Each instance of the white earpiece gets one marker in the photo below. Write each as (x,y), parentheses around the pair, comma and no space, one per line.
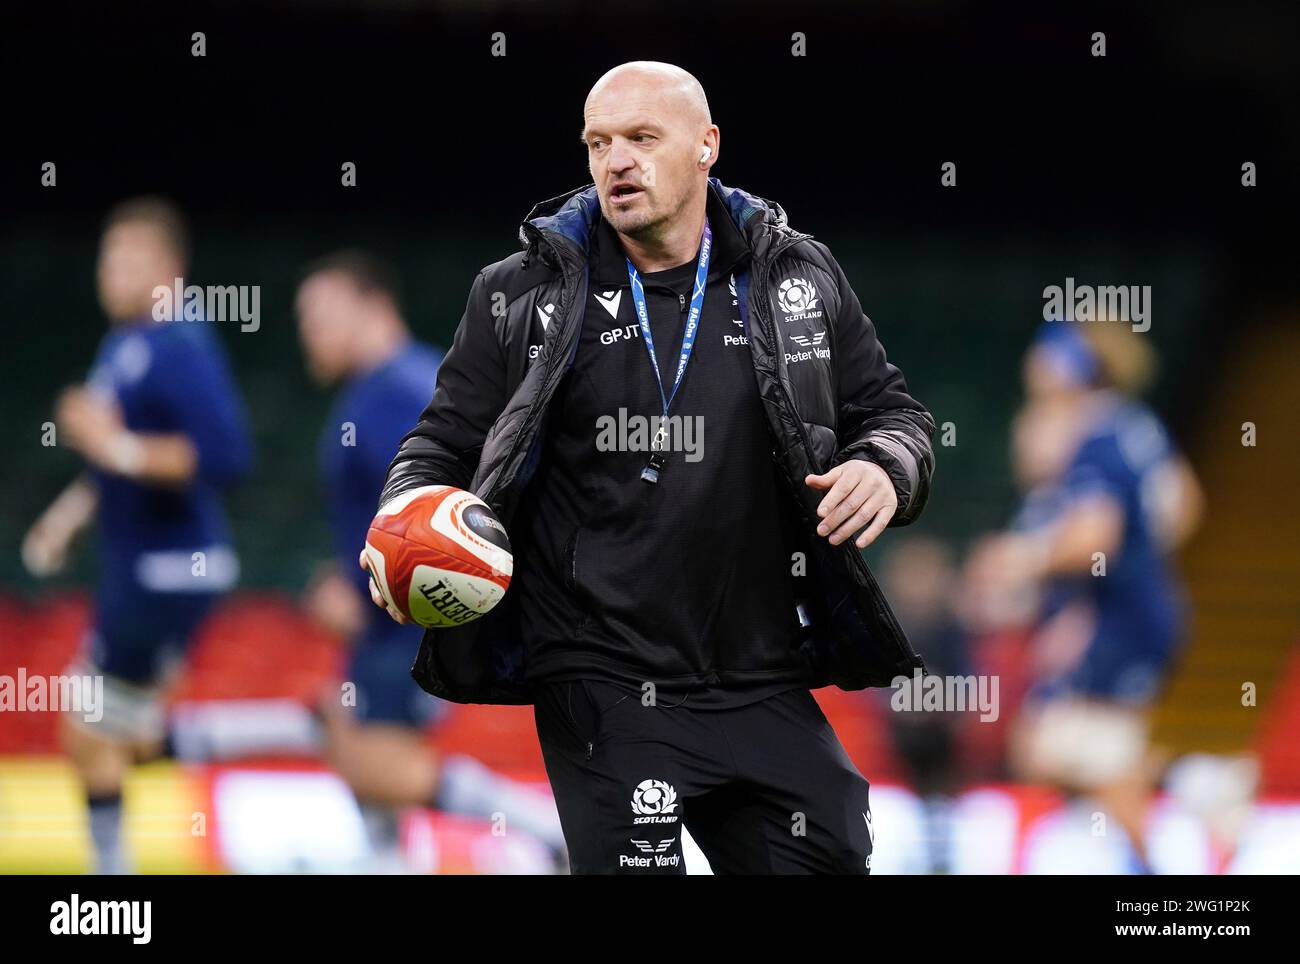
(706,154)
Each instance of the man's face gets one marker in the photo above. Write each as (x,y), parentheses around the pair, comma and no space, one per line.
(644,152)
(134,258)
(329,308)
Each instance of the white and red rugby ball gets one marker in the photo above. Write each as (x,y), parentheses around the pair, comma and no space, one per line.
(439,556)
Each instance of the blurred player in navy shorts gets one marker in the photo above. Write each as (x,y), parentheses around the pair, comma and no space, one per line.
(354,335)
(161,428)
(1108,500)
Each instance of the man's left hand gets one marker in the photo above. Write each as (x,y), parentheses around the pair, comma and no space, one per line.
(860,494)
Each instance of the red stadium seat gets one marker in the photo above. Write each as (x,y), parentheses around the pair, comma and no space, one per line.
(260,646)
(1276,744)
(42,638)
(502,737)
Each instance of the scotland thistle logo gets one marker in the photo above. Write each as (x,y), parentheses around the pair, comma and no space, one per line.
(653,801)
(797,297)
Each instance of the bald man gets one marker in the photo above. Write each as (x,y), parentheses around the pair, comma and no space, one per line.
(677,407)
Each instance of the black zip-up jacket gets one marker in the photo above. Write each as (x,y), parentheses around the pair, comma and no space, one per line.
(483,429)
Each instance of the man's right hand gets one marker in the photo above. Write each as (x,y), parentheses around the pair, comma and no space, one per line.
(46,545)
(375,595)
(45,548)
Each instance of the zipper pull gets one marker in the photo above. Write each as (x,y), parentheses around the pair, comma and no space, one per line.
(681,300)
(589,749)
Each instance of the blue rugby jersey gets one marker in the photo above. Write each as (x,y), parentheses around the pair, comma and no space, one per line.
(381,406)
(171,377)
(1138,604)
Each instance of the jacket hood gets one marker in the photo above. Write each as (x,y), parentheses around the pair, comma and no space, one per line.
(574,215)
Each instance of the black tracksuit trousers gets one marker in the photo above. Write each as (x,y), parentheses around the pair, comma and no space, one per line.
(763,788)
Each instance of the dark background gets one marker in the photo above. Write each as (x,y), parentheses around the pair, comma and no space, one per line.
(1122,170)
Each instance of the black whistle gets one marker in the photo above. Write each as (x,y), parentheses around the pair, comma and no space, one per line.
(651,472)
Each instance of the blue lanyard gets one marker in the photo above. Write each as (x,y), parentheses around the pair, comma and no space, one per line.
(692,320)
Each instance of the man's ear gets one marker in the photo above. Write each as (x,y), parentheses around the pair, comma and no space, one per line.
(712,145)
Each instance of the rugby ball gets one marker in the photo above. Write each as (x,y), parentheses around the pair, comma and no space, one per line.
(439,556)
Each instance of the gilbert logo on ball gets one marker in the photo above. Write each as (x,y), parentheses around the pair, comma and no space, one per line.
(439,556)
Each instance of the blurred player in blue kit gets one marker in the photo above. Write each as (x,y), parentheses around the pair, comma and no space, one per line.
(354,335)
(162,431)
(1108,500)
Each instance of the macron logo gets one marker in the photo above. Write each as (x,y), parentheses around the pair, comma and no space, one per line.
(129,917)
(545,314)
(609,301)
